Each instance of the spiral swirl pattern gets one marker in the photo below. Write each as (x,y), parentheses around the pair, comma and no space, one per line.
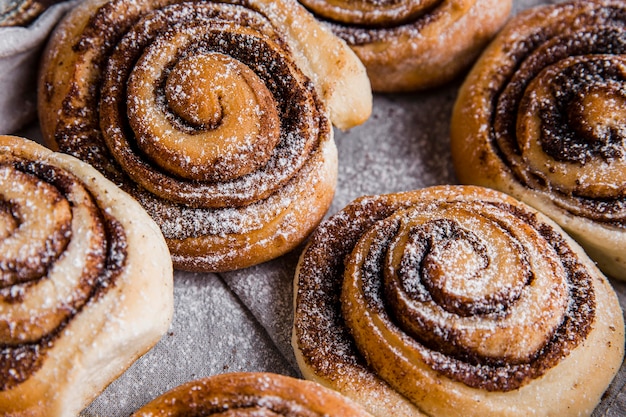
(554,108)
(80,300)
(200,111)
(250,394)
(412,45)
(58,250)
(447,284)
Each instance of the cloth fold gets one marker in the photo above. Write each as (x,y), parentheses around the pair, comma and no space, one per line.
(212,333)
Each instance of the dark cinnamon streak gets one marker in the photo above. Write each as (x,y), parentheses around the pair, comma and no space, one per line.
(116,37)
(15,272)
(19,362)
(22,12)
(564,134)
(594,29)
(325,340)
(355,34)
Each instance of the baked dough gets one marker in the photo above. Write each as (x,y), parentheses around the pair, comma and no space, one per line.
(85,281)
(22,12)
(454,301)
(215,117)
(413,45)
(541,117)
(251,393)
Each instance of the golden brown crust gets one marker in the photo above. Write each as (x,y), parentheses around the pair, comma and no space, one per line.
(217,118)
(453,301)
(540,117)
(241,394)
(22,12)
(407,45)
(73,311)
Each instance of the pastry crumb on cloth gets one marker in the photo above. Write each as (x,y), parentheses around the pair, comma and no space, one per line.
(241,321)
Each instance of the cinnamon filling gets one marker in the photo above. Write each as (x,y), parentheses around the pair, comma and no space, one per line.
(482,292)
(373,27)
(88,252)
(371,13)
(22,12)
(568,92)
(186,158)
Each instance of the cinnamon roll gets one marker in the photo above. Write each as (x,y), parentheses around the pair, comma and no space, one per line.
(216,117)
(413,45)
(22,12)
(454,301)
(85,281)
(540,116)
(251,393)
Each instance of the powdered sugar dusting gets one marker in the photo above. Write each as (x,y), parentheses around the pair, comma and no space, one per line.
(211,333)
(369,312)
(83,252)
(153,130)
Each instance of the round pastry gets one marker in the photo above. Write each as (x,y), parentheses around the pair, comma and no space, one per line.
(253,394)
(85,281)
(22,12)
(454,301)
(215,117)
(412,45)
(541,117)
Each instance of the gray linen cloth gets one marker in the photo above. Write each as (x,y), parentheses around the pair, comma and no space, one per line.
(241,321)
(20,49)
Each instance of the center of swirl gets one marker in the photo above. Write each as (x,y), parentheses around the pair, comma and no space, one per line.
(211,117)
(470,281)
(34,221)
(579,125)
(561,136)
(190,90)
(452,273)
(454,265)
(599,115)
(459,270)
(571,129)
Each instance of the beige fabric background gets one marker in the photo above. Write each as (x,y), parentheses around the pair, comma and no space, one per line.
(241,321)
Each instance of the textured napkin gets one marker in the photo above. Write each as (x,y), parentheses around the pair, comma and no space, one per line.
(20,49)
(241,321)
